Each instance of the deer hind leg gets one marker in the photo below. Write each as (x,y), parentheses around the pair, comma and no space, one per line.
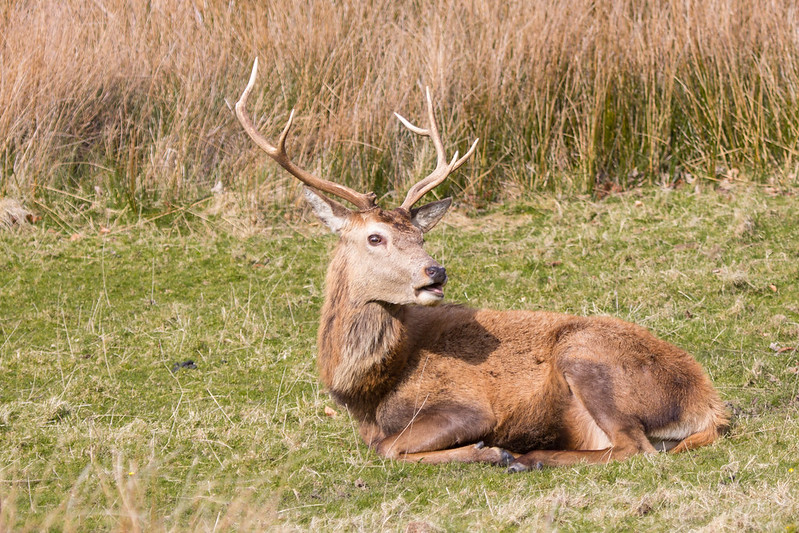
(698,439)
(592,419)
(438,437)
(626,444)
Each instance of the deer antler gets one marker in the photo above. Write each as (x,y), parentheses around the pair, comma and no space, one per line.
(278,153)
(443,169)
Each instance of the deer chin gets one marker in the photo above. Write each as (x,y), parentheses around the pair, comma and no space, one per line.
(430,295)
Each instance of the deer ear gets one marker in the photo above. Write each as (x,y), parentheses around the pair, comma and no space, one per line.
(332,213)
(428,215)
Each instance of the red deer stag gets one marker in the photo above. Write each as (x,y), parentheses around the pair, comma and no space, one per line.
(439,383)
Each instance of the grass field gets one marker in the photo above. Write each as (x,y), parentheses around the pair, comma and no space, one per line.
(157,340)
(101,427)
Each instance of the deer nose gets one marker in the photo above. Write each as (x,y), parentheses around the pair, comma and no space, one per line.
(436,273)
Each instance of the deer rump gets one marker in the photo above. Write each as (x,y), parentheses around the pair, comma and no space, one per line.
(439,383)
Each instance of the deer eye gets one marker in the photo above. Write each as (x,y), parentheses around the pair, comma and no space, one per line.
(375,239)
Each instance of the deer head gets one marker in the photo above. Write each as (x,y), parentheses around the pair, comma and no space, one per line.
(380,251)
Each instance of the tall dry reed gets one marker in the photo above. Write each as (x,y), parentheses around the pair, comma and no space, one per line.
(130,97)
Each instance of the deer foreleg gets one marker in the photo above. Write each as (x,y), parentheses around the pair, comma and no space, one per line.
(473,453)
(439,438)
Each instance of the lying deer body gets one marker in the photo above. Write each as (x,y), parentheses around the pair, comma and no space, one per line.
(438,383)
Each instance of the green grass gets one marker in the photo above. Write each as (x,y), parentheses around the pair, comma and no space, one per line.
(97,432)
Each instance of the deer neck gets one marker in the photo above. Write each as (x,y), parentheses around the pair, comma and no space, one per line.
(360,343)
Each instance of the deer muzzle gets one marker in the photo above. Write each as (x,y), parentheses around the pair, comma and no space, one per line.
(433,292)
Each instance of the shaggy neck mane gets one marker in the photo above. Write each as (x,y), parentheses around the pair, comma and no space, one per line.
(360,343)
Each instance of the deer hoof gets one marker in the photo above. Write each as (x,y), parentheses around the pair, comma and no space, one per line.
(493,454)
(507,458)
(518,466)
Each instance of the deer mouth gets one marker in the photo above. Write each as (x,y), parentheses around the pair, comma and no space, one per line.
(434,289)
(433,292)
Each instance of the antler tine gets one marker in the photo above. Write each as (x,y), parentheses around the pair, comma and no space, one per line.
(443,169)
(279,155)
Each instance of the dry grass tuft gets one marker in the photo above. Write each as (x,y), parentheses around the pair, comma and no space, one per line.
(12,213)
(125,488)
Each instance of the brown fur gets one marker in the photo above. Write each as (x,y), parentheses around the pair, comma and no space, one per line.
(426,382)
